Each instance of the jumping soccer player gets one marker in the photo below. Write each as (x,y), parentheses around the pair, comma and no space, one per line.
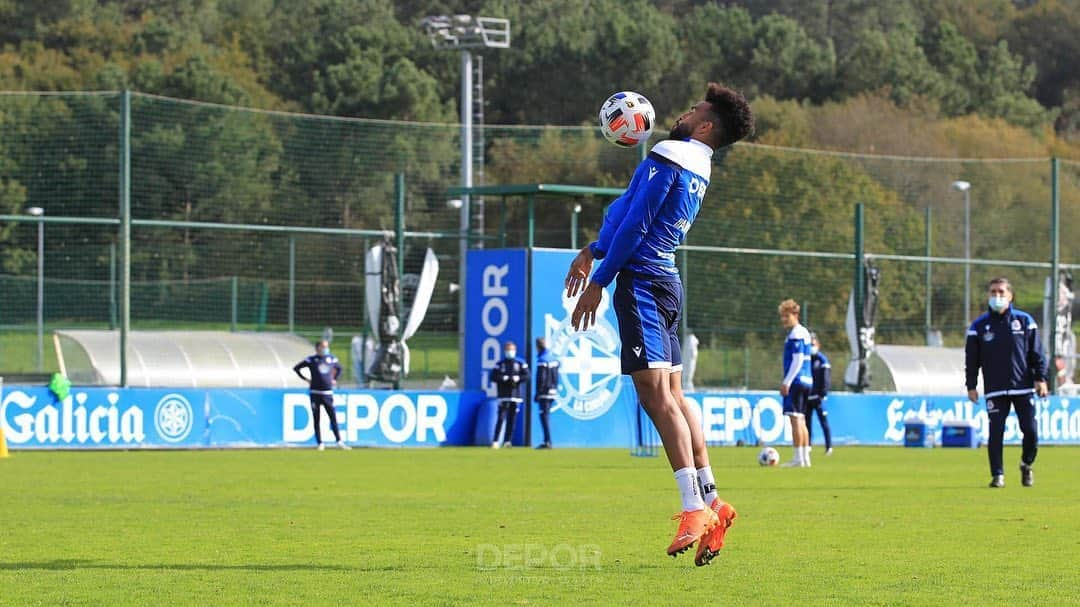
(637,242)
(797,382)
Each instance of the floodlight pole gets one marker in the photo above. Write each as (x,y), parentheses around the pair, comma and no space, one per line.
(967,256)
(464,32)
(466,181)
(965,187)
(40,214)
(125,232)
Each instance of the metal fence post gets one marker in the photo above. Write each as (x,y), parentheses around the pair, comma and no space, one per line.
(1055,262)
(112,286)
(399,222)
(125,231)
(532,220)
(235,295)
(929,275)
(292,281)
(684,272)
(860,269)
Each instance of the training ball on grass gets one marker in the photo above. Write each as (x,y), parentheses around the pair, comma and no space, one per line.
(627,119)
(768,457)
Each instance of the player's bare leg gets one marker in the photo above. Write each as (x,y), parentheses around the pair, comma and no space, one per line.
(713,540)
(666,414)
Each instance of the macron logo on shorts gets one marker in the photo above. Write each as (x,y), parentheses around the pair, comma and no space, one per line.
(652,173)
(637,351)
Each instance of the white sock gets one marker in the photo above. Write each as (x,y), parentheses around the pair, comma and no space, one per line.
(796,455)
(708,484)
(806,454)
(688,488)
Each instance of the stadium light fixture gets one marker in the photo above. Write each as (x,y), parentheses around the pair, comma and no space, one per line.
(965,187)
(40,214)
(464,33)
(573,226)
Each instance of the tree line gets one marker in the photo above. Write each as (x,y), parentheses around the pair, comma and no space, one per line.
(912,78)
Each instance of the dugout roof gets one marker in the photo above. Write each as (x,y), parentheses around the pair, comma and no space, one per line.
(923,369)
(183,359)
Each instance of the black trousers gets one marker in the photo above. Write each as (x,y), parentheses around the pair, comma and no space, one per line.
(507,415)
(318,403)
(814,406)
(545,417)
(997,409)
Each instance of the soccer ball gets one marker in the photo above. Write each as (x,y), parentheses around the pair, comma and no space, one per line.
(627,119)
(768,457)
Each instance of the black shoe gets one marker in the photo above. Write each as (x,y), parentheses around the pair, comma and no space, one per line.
(998,481)
(544,446)
(507,445)
(1027,476)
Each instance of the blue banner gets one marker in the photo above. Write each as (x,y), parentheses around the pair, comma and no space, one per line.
(596,406)
(185,418)
(873,419)
(495,289)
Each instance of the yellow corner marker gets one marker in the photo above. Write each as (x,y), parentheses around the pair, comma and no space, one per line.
(3,443)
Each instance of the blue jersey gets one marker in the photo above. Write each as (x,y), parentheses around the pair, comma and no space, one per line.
(1009,351)
(643,226)
(822,370)
(324,370)
(547,376)
(797,358)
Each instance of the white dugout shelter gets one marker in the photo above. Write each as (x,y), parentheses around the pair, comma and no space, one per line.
(922,370)
(183,359)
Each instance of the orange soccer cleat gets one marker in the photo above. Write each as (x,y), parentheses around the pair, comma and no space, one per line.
(713,541)
(693,524)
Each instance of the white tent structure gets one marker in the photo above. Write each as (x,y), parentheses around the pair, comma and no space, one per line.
(921,370)
(182,359)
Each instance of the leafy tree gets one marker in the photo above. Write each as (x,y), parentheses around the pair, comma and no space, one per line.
(890,60)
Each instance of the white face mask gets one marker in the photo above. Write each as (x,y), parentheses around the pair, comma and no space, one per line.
(813,349)
(999,303)
(510,353)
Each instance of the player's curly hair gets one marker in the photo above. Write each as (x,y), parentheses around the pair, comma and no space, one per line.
(733,113)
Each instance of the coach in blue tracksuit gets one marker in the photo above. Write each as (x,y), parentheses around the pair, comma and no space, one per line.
(1004,342)
(510,375)
(547,387)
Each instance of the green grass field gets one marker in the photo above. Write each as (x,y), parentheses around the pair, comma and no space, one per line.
(867,526)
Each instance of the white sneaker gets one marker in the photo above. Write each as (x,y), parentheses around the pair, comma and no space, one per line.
(804,464)
(495,445)
(321,447)
(344,446)
(792,464)
(828,451)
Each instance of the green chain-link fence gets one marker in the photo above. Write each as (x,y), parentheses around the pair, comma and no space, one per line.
(775,223)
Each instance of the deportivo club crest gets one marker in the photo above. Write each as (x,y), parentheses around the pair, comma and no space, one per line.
(173,418)
(590,372)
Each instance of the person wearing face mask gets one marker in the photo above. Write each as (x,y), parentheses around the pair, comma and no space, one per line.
(509,375)
(1004,342)
(547,387)
(815,402)
(323,371)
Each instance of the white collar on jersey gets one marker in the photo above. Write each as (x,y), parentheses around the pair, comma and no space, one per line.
(690,154)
